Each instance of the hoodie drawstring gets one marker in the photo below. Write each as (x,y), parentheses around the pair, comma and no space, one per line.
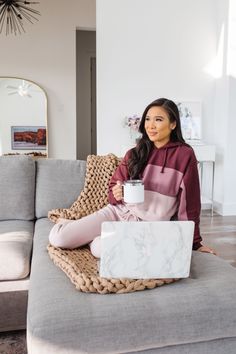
(164,161)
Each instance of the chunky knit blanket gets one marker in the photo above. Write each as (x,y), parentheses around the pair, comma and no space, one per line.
(94,196)
(79,264)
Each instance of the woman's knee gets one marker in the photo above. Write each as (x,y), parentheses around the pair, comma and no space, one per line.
(56,237)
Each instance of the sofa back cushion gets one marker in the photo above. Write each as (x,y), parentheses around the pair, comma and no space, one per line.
(58,184)
(17,187)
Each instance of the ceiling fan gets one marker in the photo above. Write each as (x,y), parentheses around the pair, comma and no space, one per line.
(22,89)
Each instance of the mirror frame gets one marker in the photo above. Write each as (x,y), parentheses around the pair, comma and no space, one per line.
(34,154)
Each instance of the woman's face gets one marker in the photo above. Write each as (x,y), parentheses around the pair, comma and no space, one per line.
(158,126)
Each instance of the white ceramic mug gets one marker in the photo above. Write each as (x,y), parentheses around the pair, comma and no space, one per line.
(133,191)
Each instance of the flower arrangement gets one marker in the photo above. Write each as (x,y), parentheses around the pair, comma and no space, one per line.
(133,122)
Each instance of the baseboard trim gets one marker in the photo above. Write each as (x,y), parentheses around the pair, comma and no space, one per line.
(224,209)
(14,285)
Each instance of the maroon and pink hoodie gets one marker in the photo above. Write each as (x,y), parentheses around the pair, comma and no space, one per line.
(171,184)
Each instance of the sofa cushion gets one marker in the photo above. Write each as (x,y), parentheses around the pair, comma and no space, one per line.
(58,184)
(17,186)
(15,248)
(63,320)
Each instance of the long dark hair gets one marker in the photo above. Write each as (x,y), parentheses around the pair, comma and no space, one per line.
(139,154)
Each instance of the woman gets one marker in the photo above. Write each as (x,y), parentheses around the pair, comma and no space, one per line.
(168,169)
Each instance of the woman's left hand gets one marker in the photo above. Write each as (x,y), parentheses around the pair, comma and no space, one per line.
(207,250)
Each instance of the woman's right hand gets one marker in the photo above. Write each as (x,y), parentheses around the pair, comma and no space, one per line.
(117,191)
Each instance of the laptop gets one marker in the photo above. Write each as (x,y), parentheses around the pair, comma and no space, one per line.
(146,250)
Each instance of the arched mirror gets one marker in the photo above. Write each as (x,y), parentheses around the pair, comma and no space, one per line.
(23,117)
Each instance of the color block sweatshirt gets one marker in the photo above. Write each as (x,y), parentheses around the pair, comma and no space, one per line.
(171,187)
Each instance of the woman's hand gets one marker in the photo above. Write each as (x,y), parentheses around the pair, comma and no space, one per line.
(117,191)
(206,249)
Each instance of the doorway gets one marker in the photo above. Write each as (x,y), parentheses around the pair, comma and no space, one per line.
(86,127)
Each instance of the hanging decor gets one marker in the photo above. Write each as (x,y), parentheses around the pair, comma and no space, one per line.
(133,122)
(13,13)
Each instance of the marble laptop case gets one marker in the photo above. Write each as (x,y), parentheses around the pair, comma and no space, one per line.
(145,250)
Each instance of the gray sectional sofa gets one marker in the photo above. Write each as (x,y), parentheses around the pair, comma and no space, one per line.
(192,316)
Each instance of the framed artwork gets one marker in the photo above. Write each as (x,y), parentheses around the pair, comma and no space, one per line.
(28,137)
(190,117)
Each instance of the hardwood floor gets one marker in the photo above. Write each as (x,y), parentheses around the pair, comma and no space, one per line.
(219,232)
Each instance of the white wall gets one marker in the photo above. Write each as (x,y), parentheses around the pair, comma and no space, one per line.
(46,54)
(225,111)
(150,49)
(229,204)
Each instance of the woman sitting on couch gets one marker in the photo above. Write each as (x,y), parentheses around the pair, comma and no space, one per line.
(168,169)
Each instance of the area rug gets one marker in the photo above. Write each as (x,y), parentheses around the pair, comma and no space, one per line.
(13,342)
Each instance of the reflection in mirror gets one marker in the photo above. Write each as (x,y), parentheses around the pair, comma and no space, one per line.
(23,118)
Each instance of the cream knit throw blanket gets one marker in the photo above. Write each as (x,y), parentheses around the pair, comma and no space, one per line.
(79,264)
(94,196)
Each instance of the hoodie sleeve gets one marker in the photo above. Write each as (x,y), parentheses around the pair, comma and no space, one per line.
(190,200)
(120,174)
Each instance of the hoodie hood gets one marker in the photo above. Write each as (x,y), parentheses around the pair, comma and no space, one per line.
(166,148)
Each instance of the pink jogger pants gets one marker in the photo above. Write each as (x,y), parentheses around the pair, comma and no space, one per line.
(76,233)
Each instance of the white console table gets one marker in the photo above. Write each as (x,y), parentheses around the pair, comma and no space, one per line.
(205,153)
